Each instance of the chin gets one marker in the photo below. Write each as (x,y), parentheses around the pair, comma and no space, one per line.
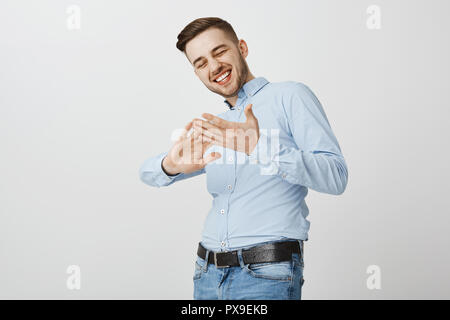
(230,88)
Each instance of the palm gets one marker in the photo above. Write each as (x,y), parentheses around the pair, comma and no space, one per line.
(187,153)
(239,136)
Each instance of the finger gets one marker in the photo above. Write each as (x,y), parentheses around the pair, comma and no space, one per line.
(207,140)
(211,157)
(187,127)
(215,136)
(215,140)
(207,145)
(219,122)
(248,111)
(197,132)
(204,124)
(202,141)
(201,125)
(209,135)
(197,125)
(212,131)
(197,149)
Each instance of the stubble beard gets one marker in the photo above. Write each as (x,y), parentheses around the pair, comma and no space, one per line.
(240,80)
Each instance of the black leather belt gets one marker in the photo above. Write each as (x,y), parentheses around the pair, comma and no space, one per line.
(271,252)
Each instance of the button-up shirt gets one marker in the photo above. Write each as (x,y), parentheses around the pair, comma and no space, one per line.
(261,197)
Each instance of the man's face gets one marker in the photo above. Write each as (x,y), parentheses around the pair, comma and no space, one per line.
(218,61)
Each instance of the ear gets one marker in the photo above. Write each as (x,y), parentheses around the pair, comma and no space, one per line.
(243,48)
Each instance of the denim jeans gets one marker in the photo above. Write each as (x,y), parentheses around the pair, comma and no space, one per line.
(262,281)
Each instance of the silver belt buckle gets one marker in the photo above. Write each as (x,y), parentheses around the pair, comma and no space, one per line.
(215,261)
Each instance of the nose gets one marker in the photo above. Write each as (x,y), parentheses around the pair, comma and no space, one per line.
(215,67)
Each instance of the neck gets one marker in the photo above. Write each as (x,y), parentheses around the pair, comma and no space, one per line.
(232,100)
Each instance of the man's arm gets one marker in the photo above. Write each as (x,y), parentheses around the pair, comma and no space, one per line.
(152,173)
(317,163)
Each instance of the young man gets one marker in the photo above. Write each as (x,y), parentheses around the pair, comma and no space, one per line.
(260,156)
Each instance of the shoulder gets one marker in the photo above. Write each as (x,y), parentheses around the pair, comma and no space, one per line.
(288,89)
(292,92)
(297,98)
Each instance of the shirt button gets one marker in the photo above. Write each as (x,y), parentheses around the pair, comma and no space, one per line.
(222,244)
(230,159)
(222,211)
(229,187)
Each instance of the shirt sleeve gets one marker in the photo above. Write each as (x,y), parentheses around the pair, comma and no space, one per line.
(151,172)
(317,161)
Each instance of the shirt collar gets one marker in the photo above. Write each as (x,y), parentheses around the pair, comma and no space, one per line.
(250,88)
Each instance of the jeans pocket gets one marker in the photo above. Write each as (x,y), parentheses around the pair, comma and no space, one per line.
(281,271)
(198,269)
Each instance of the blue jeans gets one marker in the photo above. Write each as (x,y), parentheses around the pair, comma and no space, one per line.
(261,281)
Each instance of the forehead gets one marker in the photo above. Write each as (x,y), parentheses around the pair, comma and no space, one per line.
(204,42)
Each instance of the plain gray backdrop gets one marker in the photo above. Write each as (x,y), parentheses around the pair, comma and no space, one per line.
(80,110)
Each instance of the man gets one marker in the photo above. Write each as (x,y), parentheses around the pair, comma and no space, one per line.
(260,156)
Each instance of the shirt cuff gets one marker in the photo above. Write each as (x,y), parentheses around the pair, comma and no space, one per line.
(167,174)
(162,174)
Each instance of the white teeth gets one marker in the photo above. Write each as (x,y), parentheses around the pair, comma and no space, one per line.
(223,76)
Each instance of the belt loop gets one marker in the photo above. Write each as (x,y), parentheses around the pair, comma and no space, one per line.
(302,252)
(300,242)
(240,258)
(205,265)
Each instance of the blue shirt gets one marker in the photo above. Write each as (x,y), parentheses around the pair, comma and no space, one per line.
(261,197)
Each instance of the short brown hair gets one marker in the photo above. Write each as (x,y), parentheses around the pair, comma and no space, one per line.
(201,24)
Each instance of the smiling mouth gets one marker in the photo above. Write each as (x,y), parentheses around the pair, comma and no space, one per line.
(223,78)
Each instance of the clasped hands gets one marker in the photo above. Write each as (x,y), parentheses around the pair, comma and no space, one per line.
(187,153)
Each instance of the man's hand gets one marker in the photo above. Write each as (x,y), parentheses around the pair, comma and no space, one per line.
(239,136)
(186,155)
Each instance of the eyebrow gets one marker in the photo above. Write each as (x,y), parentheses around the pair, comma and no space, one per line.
(214,49)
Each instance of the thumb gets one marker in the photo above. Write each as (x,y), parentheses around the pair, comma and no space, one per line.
(248,111)
(211,157)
